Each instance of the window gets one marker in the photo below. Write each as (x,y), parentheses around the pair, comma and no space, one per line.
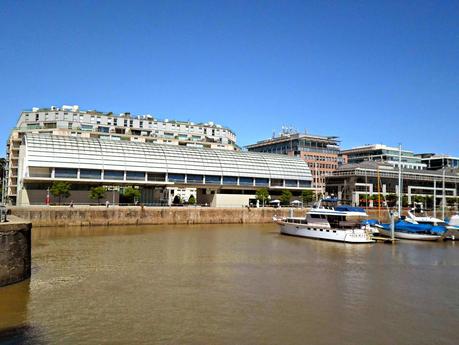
(135,175)
(230,180)
(261,182)
(86,127)
(305,184)
(90,174)
(246,181)
(176,177)
(65,173)
(195,178)
(39,172)
(113,175)
(277,183)
(156,177)
(291,183)
(50,125)
(213,179)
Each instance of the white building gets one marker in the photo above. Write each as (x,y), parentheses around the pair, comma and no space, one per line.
(220,177)
(72,121)
(383,153)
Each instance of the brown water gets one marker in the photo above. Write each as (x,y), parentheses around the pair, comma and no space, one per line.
(230,284)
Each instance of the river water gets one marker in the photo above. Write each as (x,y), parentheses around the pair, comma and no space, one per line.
(229,284)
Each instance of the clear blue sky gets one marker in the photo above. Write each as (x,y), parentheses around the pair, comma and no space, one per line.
(367,71)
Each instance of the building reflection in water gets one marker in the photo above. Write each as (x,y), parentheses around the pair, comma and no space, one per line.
(14,326)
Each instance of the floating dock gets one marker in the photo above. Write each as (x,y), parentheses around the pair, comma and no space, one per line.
(384,239)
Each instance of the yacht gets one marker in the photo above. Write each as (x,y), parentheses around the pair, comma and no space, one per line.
(340,224)
(453,228)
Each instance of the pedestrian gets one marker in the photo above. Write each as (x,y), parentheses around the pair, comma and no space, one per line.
(71,203)
(107,203)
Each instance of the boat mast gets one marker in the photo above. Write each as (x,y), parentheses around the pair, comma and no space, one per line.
(443,199)
(379,196)
(400,188)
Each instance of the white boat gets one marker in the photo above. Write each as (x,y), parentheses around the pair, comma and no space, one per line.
(410,236)
(425,220)
(453,228)
(327,224)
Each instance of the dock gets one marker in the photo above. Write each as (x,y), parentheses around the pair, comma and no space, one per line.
(384,239)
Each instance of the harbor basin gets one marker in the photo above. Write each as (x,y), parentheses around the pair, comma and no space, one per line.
(229,284)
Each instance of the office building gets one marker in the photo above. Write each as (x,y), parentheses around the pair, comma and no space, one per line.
(383,153)
(436,161)
(358,184)
(321,153)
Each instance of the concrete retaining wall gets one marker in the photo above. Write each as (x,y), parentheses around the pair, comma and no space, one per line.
(15,252)
(97,215)
(100,215)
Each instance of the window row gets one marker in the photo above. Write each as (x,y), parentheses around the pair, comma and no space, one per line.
(117,175)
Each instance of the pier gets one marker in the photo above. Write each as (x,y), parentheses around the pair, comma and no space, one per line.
(15,251)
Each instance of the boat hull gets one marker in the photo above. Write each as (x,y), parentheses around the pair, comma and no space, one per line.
(339,235)
(453,232)
(410,236)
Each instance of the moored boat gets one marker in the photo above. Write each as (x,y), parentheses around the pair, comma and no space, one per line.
(341,224)
(453,228)
(411,231)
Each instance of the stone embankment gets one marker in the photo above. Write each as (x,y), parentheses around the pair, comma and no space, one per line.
(99,215)
(15,251)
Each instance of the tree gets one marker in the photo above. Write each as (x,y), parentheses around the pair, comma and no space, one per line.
(404,201)
(60,190)
(285,197)
(97,193)
(131,193)
(391,199)
(262,195)
(191,200)
(307,196)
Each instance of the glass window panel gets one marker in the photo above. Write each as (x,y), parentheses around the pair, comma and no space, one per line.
(195,178)
(229,180)
(113,175)
(66,173)
(305,183)
(246,181)
(261,182)
(277,183)
(156,177)
(210,179)
(135,175)
(90,174)
(291,183)
(176,177)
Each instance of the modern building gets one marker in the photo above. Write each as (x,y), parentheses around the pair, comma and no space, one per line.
(383,153)
(354,182)
(72,121)
(321,153)
(436,161)
(2,178)
(220,177)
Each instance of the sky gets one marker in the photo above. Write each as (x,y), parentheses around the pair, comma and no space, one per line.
(366,71)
